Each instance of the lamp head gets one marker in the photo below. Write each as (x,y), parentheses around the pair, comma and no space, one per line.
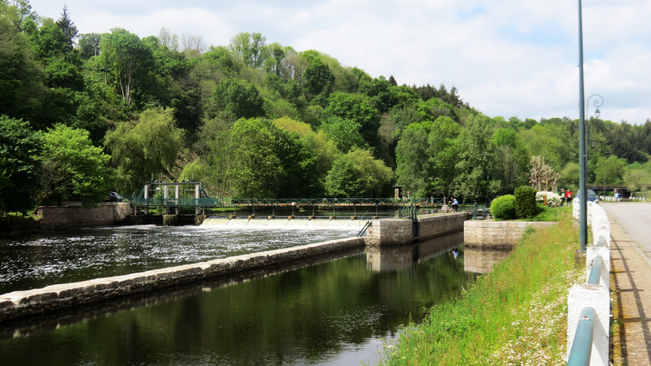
(597,113)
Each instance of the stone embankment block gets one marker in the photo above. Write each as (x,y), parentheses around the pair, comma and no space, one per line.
(497,234)
(23,303)
(400,231)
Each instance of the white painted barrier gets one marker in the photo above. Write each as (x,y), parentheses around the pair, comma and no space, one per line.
(596,294)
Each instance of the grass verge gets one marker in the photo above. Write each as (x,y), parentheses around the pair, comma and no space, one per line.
(516,315)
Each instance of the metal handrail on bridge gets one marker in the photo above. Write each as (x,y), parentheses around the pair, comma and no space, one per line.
(220,202)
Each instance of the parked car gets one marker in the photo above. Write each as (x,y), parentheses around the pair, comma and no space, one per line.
(114,197)
(592,197)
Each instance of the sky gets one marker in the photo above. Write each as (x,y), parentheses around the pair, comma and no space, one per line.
(506,58)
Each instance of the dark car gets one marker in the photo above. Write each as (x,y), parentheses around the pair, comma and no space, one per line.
(114,197)
(592,197)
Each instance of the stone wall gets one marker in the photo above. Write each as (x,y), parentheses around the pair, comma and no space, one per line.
(66,217)
(23,303)
(400,231)
(497,234)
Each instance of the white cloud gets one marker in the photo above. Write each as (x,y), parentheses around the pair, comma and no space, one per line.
(509,58)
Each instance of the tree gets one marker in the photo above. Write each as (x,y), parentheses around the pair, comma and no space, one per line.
(73,167)
(126,59)
(610,170)
(443,152)
(343,179)
(255,169)
(319,79)
(67,26)
(413,163)
(143,148)
(344,133)
(20,148)
(356,109)
(373,174)
(473,171)
(89,45)
(249,48)
(239,97)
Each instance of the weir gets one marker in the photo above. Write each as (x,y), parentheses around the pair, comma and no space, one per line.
(285,223)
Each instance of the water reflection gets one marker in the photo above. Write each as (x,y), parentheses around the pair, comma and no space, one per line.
(393,258)
(326,313)
(482,260)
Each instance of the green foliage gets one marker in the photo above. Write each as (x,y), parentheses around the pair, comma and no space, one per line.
(503,207)
(256,170)
(143,148)
(413,163)
(356,109)
(20,148)
(344,133)
(126,60)
(73,167)
(525,202)
(239,97)
(514,315)
(319,79)
(342,179)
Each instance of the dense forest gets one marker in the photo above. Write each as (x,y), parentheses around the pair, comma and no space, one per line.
(81,114)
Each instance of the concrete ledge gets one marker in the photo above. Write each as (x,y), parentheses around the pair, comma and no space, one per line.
(401,231)
(24,303)
(497,234)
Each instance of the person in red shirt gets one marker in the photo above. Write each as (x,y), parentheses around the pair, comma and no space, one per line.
(568,196)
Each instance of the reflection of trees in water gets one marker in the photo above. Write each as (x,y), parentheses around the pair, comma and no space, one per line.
(305,314)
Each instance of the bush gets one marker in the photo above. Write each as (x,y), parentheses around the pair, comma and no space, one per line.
(503,207)
(525,202)
(553,200)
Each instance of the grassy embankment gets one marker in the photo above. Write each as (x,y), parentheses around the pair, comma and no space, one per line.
(513,316)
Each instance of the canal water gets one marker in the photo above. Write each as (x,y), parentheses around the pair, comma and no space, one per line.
(327,311)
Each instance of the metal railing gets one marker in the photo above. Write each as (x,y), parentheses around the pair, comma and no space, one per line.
(220,202)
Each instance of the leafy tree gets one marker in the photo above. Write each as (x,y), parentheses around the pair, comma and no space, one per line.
(126,59)
(344,133)
(319,79)
(374,175)
(73,167)
(239,97)
(255,170)
(610,170)
(443,152)
(143,148)
(476,161)
(356,109)
(249,48)
(343,179)
(89,45)
(414,169)
(20,149)
(298,162)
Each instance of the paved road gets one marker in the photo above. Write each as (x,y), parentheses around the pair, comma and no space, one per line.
(635,221)
(631,235)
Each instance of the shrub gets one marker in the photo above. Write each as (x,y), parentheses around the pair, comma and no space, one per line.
(503,207)
(553,200)
(525,202)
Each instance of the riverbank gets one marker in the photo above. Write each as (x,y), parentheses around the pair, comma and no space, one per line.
(515,315)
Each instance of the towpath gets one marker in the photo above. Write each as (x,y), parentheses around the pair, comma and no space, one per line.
(631,266)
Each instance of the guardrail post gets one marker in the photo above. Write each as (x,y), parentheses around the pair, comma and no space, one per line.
(592,252)
(597,297)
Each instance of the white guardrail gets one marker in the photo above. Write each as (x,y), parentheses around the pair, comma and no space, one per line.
(588,314)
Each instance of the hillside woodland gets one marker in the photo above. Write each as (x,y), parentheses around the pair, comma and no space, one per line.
(84,113)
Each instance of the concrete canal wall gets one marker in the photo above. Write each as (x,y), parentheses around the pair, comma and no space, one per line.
(401,231)
(68,217)
(23,303)
(497,234)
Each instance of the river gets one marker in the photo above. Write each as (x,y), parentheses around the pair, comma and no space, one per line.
(330,312)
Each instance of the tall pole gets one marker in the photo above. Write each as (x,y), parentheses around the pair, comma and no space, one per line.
(583,206)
